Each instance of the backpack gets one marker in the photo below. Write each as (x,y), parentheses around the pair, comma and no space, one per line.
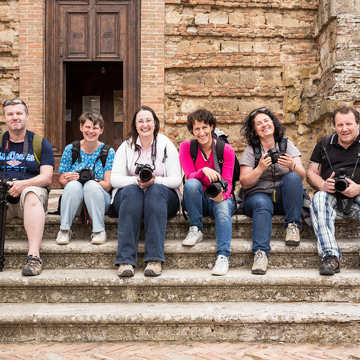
(220,145)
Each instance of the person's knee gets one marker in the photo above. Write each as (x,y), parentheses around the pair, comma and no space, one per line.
(32,200)
(192,185)
(292,178)
(73,187)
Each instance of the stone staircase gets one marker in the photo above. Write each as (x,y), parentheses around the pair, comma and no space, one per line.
(79,297)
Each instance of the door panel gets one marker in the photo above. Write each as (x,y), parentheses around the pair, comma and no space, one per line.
(78,35)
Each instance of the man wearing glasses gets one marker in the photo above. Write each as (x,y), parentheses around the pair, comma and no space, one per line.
(30,174)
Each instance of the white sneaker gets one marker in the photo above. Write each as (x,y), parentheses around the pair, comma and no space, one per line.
(221,266)
(98,238)
(63,237)
(194,235)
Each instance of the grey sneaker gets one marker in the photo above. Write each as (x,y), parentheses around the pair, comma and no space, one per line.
(221,266)
(126,270)
(194,236)
(153,268)
(260,263)
(63,237)
(292,237)
(98,238)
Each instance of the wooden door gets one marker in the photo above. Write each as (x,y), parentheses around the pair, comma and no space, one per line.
(100,32)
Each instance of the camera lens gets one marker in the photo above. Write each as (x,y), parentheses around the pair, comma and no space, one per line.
(213,190)
(145,175)
(341,185)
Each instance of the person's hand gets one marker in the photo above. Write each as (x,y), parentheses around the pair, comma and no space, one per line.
(352,190)
(145,185)
(219,197)
(16,188)
(286,161)
(329,184)
(211,174)
(71,176)
(264,162)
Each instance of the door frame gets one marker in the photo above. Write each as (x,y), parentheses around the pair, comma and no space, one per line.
(55,77)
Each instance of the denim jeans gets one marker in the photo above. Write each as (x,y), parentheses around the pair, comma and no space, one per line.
(156,204)
(96,199)
(198,206)
(261,208)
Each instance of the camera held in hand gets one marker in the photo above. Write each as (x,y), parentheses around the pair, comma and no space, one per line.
(4,188)
(144,171)
(340,182)
(86,175)
(274,154)
(214,189)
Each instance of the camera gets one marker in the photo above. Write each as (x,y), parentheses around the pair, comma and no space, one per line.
(214,189)
(340,182)
(4,188)
(144,171)
(274,155)
(86,175)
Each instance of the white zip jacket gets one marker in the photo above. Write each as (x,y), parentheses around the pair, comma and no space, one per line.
(120,174)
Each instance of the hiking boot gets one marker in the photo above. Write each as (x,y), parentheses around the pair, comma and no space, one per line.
(194,236)
(260,263)
(330,265)
(221,266)
(292,235)
(98,238)
(125,270)
(33,266)
(153,268)
(63,237)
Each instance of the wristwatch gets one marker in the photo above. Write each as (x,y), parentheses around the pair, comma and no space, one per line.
(293,168)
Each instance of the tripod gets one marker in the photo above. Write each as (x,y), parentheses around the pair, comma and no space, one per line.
(4,187)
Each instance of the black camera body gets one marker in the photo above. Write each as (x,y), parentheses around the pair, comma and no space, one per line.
(274,155)
(340,182)
(4,188)
(86,175)
(214,189)
(144,171)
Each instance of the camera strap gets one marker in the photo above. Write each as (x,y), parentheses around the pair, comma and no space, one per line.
(153,155)
(216,163)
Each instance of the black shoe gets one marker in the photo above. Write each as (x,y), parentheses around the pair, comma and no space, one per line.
(330,265)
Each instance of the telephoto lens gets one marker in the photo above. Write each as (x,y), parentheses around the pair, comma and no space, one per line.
(214,189)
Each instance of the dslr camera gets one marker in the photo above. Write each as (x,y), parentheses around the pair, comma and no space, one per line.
(274,155)
(4,188)
(340,182)
(86,175)
(144,171)
(214,189)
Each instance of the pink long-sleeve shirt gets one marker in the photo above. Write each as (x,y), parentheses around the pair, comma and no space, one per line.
(192,170)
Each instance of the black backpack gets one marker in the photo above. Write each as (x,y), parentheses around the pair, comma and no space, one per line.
(75,153)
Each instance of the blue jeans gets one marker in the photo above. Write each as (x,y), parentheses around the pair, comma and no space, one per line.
(198,206)
(156,204)
(96,199)
(260,207)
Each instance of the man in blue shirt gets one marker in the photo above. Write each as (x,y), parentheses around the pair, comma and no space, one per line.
(29,175)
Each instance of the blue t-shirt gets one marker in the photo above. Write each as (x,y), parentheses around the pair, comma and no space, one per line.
(16,166)
(87,161)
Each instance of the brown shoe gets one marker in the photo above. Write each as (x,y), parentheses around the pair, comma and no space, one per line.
(125,270)
(330,265)
(153,268)
(33,266)
(260,263)
(292,237)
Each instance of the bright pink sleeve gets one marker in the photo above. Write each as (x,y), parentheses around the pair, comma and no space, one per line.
(228,168)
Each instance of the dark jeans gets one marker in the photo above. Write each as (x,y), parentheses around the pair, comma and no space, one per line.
(156,204)
(261,208)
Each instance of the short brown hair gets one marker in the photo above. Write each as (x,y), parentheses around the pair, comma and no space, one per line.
(93,116)
(345,109)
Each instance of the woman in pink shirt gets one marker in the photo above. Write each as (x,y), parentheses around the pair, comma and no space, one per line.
(204,171)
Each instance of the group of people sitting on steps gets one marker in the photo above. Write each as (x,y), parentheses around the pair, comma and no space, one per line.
(141,180)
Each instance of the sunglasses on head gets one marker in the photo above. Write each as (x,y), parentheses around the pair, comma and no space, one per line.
(256,111)
(14,102)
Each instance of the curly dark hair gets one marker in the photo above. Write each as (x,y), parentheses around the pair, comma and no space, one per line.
(133,134)
(249,130)
(345,109)
(201,115)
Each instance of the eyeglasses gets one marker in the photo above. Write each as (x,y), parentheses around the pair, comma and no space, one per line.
(256,111)
(14,102)
(147,122)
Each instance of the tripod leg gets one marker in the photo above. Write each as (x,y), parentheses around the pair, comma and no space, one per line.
(3,210)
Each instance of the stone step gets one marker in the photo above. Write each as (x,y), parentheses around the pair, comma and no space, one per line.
(219,321)
(82,254)
(178,228)
(104,286)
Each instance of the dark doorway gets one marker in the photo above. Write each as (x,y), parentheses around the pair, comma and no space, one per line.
(95,85)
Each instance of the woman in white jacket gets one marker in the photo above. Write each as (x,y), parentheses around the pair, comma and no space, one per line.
(146,176)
